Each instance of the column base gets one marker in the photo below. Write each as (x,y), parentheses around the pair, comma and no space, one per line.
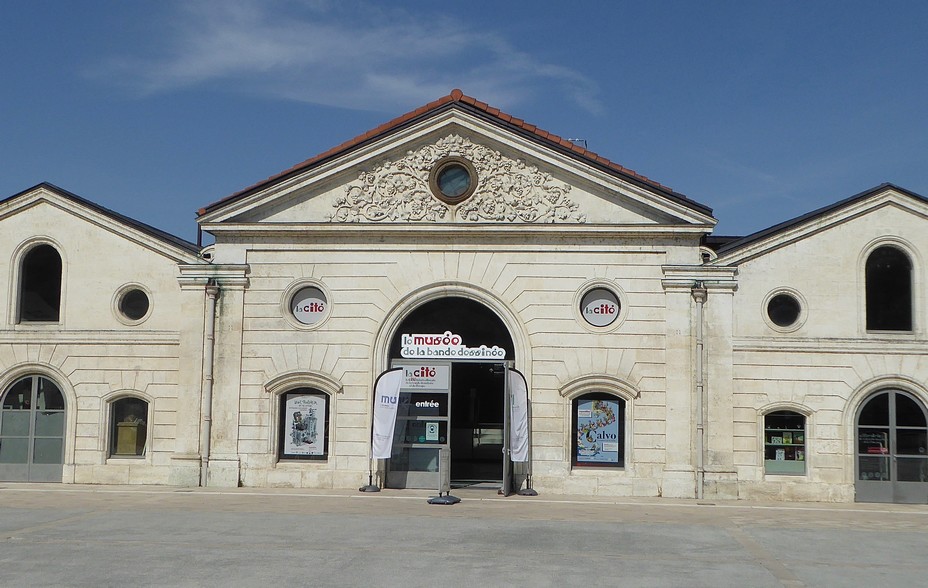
(185,470)
(223,472)
(678,482)
(721,485)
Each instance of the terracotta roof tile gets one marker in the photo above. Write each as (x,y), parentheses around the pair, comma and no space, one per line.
(457,95)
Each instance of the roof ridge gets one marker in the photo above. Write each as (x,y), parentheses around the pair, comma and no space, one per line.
(459,96)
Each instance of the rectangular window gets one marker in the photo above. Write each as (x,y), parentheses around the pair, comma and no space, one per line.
(784,443)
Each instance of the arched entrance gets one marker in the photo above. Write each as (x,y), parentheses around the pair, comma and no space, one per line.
(32,424)
(454,395)
(892,438)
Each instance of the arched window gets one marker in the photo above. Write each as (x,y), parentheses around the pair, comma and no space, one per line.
(40,285)
(598,420)
(304,425)
(129,427)
(889,290)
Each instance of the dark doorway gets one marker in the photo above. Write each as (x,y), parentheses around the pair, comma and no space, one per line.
(476,423)
(477,392)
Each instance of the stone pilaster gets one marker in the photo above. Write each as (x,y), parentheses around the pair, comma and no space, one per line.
(720,478)
(679,479)
(185,463)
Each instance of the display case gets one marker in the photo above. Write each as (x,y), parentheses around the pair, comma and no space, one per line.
(784,443)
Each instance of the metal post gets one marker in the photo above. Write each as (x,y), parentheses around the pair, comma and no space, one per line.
(506,489)
(528,490)
(444,479)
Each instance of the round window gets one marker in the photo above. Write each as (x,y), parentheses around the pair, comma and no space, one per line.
(600,307)
(453,179)
(783,310)
(309,305)
(134,304)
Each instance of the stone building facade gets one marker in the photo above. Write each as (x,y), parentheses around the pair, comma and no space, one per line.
(657,359)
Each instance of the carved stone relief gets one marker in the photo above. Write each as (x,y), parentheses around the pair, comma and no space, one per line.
(508,190)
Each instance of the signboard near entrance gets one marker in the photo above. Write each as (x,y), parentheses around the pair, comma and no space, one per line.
(426,377)
(446,345)
(422,423)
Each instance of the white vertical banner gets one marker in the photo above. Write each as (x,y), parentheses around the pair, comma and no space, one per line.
(386,400)
(518,429)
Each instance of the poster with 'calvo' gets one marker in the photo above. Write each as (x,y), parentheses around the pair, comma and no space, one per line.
(598,440)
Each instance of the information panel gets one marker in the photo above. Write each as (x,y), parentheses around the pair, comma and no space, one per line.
(422,423)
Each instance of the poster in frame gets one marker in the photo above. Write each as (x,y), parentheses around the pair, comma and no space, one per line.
(304,423)
(598,434)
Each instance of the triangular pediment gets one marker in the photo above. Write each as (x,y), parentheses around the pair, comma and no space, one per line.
(883,210)
(60,210)
(518,180)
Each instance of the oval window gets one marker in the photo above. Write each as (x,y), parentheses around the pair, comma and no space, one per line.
(783,310)
(309,305)
(134,304)
(600,307)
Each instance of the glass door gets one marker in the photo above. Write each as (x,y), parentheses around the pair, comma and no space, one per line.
(892,437)
(32,431)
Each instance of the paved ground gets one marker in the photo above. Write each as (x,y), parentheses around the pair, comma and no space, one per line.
(54,535)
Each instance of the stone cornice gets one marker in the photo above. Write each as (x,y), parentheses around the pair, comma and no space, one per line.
(307,231)
(687,277)
(23,336)
(229,276)
(909,345)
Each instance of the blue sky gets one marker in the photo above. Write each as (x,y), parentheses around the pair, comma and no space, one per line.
(761,110)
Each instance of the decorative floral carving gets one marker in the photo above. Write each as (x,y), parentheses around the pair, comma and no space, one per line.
(508,190)
(393,191)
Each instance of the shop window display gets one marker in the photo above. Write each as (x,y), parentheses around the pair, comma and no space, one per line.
(129,432)
(784,443)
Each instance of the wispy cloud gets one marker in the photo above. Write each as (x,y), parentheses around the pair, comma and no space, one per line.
(348,54)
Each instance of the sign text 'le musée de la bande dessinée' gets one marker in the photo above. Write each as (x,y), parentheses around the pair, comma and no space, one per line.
(446,345)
